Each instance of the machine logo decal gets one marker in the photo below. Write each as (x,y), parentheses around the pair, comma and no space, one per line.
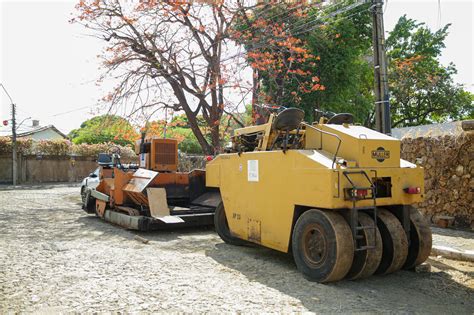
(252,170)
(380,154)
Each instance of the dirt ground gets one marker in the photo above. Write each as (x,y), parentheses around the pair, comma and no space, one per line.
(56,258)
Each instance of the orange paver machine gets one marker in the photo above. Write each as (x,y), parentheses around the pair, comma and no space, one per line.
(152,195)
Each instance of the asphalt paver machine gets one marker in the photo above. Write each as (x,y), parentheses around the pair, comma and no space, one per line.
(153,196)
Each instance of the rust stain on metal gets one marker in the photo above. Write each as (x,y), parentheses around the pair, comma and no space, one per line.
(254,230)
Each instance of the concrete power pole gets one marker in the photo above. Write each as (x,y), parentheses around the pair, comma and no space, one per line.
(382,101)
(14,147)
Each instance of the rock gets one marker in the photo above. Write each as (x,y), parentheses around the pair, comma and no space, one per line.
(444,221)
(423,268)
(459,170)
(455,194)
(454,180)
(467,125)
(141,239)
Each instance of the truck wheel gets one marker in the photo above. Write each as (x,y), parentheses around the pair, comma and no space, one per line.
(420,240)
(222,227)
(88,202)
(322,244)
(83,194)
(394,241)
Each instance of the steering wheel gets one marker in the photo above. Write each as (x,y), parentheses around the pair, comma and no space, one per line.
(340,119)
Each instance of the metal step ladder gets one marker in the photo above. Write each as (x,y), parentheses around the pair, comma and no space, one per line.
(351,194)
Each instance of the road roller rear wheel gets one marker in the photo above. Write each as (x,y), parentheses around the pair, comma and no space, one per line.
(366,261)
(394,241)
(222,227)
(322,245)
(420,240)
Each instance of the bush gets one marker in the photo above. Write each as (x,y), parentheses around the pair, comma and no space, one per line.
(84,149)
(52,147)
(23,145)
(5,145)
(61,147)
(190,146)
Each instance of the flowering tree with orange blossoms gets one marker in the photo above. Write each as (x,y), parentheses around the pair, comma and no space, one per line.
(277,56)
(168,55)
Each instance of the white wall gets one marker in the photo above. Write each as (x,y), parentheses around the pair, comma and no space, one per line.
(48,134)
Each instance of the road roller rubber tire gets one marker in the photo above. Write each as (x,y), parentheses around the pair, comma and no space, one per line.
(366,261)
(420,240)
(394,241)
(322,245)
(222,227)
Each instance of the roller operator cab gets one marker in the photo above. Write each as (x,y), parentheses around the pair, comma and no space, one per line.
(336,195)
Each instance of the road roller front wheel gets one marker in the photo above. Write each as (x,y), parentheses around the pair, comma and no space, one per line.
(322,245)
(222,227)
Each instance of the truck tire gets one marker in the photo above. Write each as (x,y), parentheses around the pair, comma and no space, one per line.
(222,227)
(88,202)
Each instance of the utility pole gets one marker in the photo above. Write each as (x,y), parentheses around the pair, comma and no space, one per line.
(382,101)
(14,148)
(14,155)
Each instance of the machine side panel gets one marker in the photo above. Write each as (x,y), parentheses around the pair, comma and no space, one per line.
(259,191)
(213,173)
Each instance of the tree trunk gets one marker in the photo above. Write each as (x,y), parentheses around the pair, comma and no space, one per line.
(178,92)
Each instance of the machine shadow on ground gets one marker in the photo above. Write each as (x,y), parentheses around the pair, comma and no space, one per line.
(107,229)
(401,291)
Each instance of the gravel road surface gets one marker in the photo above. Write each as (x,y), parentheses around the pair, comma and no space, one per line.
(56,258)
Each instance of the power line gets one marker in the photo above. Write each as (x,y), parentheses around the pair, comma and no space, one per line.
(330,15)
(258,46)
(71,111)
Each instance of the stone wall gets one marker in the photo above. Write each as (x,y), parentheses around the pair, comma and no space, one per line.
(449,175)
(5,169)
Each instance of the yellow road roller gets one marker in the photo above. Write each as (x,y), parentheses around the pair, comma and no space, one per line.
(334,194)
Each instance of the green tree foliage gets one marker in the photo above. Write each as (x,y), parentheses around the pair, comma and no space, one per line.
(105,128)
(422,89)
(343,47)
(178,128)
(335,54)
